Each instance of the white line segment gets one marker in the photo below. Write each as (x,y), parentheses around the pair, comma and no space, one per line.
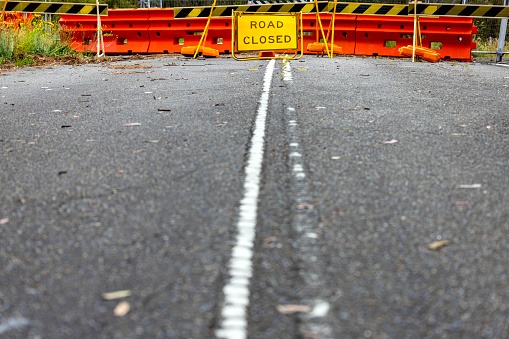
(236,291)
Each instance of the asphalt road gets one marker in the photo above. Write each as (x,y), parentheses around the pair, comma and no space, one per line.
(136,176)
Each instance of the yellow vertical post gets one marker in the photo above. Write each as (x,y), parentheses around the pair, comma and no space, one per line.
(100,40)
(205,31)
(332,35)
(415,31)
(3,10)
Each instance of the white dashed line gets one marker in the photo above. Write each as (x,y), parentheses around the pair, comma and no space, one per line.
(305,226)
(236,291)
(287,71)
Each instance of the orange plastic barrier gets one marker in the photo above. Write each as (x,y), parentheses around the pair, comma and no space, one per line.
(425,53)
(344,31)
(124,31)
(384,35)
(16,19)
(169,35)
(319,48)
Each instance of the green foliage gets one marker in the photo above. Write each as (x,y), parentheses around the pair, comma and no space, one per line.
(35,37)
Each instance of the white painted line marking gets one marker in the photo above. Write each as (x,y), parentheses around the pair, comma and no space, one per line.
(304,224)
(287,71)
(236,291)
(503,65)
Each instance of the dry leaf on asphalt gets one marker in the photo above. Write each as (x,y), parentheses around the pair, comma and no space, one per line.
(291,309)
(122,309)
(437,245)
(116,295)
(393,141)
(461,203)
(4,221)
(268,241)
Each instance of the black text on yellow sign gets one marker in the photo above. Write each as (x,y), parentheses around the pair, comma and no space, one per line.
(266,32)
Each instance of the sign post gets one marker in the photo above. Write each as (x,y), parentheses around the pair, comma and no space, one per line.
(254,32)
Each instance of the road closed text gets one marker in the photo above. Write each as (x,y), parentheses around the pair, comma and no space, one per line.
(266,32)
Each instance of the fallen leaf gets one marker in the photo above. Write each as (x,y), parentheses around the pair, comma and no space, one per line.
(302,69)
(305,207)
(268,241)
(4,221)
(470,186)
(291,309)
(138,151)
(393,141)
(122,309)
(120,171)
(132,124)
(253,69)
(437,245)
(461,203)
(310,335)
(116,295)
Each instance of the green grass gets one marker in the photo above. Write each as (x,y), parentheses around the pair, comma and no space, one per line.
(489,46)
(35,37)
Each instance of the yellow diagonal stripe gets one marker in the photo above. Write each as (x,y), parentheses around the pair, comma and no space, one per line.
(456,10)
(430,10)
(372,9)
(396,10)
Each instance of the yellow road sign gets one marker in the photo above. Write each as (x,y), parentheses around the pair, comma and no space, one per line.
(267,32)
(53,8)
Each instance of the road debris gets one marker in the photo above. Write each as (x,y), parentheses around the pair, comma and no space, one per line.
(4,221)
(393,141)
(437,245)
(122,309)
(132,124)
(268,241)
(470,186)
(291,309)
(116,295)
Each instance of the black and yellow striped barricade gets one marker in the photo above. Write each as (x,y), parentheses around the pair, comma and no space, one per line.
(54,8)
(454,10)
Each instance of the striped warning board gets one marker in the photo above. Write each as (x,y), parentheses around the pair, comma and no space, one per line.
(222,11)
(370,9)
(473,11)
(54,8)
(481,11)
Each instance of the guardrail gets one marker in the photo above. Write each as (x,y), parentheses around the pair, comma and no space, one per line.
(157,31)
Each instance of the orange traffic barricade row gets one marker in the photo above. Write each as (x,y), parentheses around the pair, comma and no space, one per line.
(155,30)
